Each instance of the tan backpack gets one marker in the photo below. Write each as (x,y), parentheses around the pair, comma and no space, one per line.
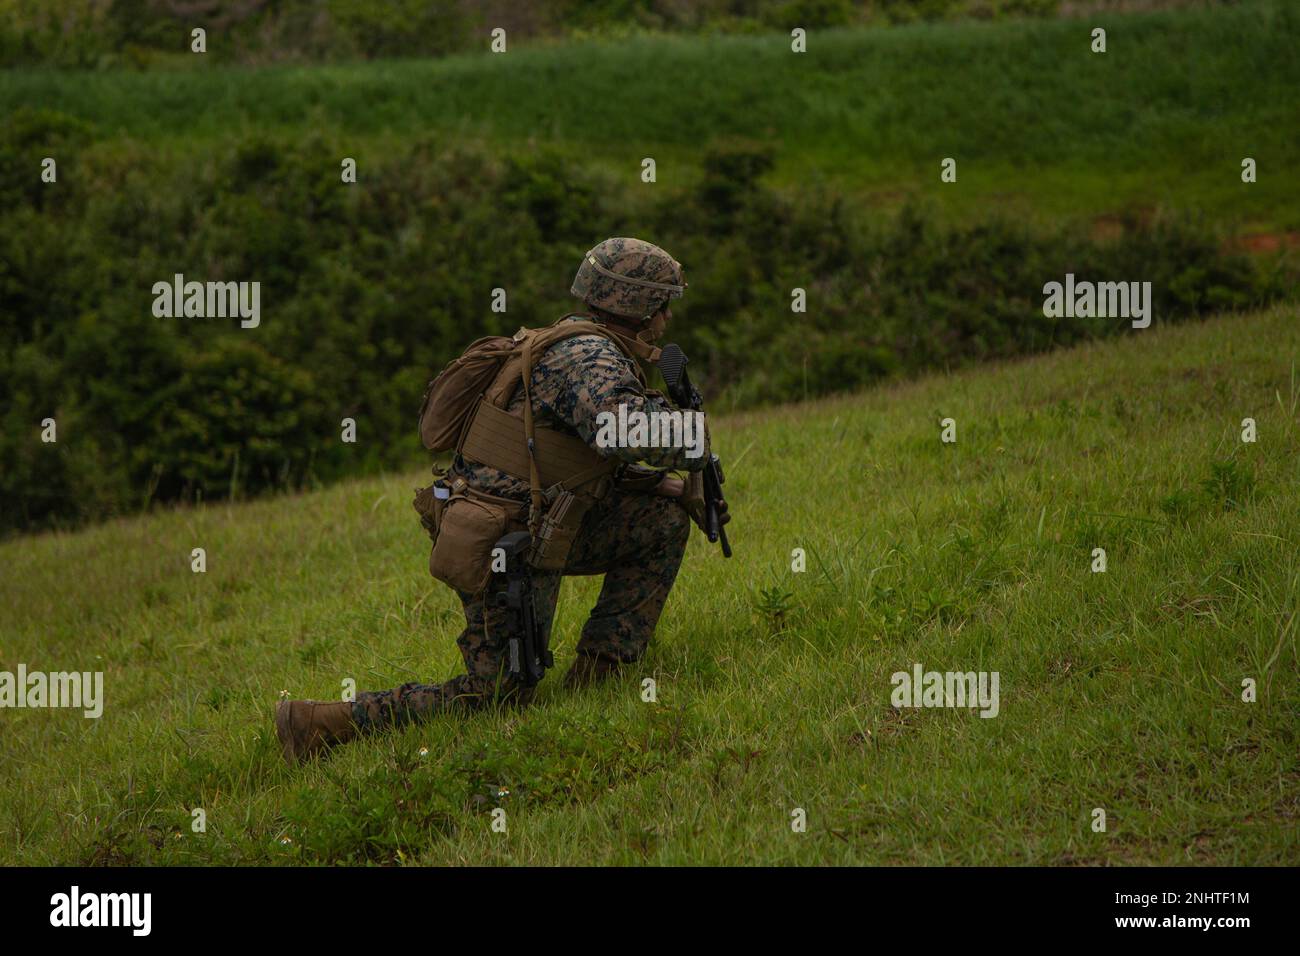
(491,369)
(451,396)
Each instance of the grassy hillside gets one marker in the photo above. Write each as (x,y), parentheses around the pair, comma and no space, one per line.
(1119,690)
(1035,120)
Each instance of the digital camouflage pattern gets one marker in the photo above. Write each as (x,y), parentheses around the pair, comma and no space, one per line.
(636,539)
(628,277)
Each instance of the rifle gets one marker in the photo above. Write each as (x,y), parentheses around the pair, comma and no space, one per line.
(529,653)
(672,364)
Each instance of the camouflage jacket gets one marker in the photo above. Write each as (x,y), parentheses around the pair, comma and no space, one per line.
(574,381)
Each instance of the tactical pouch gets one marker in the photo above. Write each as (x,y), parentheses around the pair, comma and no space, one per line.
(429,506)
(469,526)
(559,529)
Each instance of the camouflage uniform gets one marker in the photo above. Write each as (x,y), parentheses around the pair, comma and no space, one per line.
(635,538)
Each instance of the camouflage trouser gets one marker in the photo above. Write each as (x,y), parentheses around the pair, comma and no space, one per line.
(635,539)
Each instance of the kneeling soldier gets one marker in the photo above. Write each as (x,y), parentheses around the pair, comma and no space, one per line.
(527,457)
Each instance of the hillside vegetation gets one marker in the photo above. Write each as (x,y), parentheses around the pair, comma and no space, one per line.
(145,34)
(1033,117)
(775,172)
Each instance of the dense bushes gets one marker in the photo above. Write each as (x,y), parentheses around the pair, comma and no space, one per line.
(367,288)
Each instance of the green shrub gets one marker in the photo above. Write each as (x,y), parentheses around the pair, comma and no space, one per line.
(366,292)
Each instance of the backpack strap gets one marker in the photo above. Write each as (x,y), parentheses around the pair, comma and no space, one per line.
(485,435)
(631,346)
(502,390)
(530,435)
(538,340)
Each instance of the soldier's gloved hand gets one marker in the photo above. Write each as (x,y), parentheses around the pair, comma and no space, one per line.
(670,487)
(723,516)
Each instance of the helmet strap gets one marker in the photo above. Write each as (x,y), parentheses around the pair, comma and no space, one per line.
(634,334)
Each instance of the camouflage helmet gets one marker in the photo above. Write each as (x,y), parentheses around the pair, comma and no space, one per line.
(628,277)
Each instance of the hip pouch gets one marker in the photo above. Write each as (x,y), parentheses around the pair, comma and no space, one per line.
(429,504)
(558,530)
(469,527)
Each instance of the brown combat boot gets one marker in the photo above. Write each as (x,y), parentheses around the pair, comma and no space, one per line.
(589,670)
(306,727)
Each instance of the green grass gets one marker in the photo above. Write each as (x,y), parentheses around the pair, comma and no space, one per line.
(1118,690)
(1037,122)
